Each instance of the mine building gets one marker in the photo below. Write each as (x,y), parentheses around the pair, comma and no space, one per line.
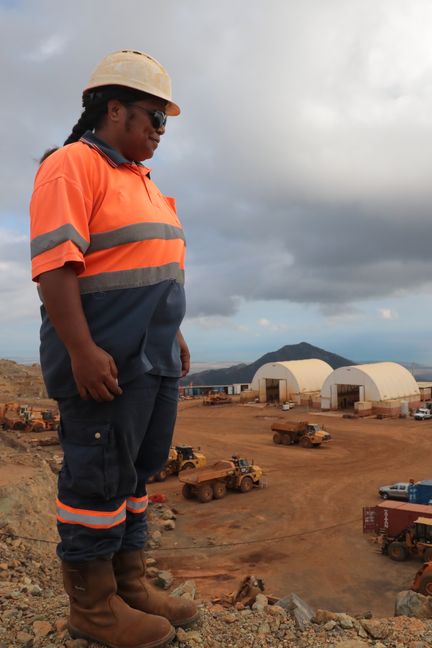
(384,388)
(299,381)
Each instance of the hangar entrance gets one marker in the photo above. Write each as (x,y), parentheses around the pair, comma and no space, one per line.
(272,390)
(347,395)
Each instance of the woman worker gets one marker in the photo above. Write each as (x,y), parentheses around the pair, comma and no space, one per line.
(108,255)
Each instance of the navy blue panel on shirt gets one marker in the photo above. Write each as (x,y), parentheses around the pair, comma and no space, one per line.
(137,326)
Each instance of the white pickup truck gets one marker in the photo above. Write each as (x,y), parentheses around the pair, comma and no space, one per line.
(422,413)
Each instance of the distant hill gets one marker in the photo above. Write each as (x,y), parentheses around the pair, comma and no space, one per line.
(243,373)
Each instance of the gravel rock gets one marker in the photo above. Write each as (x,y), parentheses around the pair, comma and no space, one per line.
(409,603)
(164,579)
(185,590)
(376,628)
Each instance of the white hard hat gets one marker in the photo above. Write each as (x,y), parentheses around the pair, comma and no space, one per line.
(135,70)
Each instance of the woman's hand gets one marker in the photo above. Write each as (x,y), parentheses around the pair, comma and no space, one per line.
(184,354)
(95,374)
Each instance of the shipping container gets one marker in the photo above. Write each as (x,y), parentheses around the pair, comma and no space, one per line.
(390,518)
(421,492)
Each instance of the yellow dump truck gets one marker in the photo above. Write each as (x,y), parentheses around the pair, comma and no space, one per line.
(308,435)
(213,481)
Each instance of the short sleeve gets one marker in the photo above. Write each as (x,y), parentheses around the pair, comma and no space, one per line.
(60,211)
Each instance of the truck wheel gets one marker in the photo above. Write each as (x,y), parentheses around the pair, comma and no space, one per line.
(187,491)
(427,556)
(425,586)
(161,475)
(205,493)
(286,439)
(219,490)
(397,551)
(305,442)
(187,466)
(277,438)
(246,484)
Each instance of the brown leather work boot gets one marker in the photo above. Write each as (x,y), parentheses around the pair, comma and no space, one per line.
(135,589)
(97,613)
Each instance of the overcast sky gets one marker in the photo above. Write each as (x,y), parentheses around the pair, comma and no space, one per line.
(301,163)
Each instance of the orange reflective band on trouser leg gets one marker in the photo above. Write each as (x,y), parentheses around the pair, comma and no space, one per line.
(137,504)
(88,518)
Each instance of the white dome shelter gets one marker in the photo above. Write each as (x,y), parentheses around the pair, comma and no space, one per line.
(377,384)
(290,380)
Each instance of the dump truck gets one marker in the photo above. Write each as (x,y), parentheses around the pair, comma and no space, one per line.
(216,398)
(422,582)
(213,481)
(181,457)
(308,435)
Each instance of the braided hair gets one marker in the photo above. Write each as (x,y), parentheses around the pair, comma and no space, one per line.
(95,104)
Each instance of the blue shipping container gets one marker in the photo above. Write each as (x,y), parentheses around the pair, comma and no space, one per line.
(421,492)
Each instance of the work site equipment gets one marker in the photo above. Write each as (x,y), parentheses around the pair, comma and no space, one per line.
(213,481)
(136,70)
(181,457)
(308,435)
(422,582)
(415,540)
(216,398)
(14,416)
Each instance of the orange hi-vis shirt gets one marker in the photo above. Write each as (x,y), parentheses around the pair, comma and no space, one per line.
(98,211)
(109,220)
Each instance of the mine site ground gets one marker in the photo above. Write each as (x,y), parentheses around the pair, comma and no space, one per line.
(302,532)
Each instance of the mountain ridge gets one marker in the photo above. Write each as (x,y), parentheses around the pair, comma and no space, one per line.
(243,373)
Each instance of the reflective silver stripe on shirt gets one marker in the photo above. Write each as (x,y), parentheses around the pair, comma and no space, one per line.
(137,505)
(60,235)
(135,278)
(133,234)
(92,519)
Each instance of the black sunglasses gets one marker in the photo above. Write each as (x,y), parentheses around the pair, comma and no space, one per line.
(158,117)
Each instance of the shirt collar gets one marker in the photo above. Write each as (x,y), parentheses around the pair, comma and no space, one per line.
(114,157)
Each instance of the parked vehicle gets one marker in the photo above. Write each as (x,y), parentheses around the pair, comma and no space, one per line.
(308,435)
(213,481)
(422,413)
(398,491)
(217,398)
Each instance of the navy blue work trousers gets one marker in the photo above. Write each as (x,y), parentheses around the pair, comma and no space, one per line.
(110,450)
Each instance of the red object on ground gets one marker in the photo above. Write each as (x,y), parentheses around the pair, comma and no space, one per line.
(158,498)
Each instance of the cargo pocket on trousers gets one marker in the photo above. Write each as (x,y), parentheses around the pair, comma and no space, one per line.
(90,465)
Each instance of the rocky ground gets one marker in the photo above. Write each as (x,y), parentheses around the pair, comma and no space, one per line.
(33,610)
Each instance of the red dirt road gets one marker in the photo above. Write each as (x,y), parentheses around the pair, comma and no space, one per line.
(303,533)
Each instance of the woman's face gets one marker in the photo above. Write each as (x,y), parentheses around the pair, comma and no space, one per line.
(138,135)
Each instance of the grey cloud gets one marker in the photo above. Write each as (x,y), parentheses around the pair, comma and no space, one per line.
(302,158)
